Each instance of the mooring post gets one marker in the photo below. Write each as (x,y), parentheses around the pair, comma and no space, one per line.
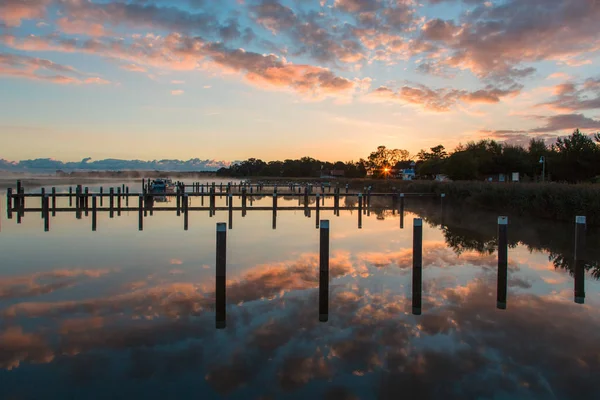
(502,262)
(401,212)
(20,210)
(78,196)
(101,196)
(22,202)
(42,198)
(111,202)
(221,273)
(417,277)
(46,212)
(243,199)
(442,196)
(230,210)
(317,212)
(9,203)
(336,201)
(126,196)
(324,271)
(118,201)
(213,200)
(141,213)
(185,211)
(86,200)
(360,201)
(53,201)
(19,186)
(580,256)
(306,196)
(178,199)
(9,198)
(94,213)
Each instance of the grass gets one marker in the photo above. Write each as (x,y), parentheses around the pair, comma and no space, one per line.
(556,201)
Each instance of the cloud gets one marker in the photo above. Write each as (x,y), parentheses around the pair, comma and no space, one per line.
(44,282)
(565,123)
(572,96)
(133,68)
(357,6)
(19,66)
(441,100)
(180,52)
(12,12)
(75,27)
(494,39)
(177,92)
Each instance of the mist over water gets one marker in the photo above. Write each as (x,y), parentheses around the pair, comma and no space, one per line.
(120,312)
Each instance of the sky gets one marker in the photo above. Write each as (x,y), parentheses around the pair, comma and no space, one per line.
(277,79)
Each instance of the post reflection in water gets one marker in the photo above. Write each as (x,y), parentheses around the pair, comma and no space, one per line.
(129,312)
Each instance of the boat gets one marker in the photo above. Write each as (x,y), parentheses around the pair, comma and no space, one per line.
(162,185)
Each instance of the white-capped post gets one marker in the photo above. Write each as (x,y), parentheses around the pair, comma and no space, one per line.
(221,272)
(580,228)
(502,262)
(324,271)
(417,273)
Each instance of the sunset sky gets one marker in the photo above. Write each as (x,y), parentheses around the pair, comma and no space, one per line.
(276,79)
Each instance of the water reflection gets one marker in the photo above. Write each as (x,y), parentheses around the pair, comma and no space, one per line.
(140,320)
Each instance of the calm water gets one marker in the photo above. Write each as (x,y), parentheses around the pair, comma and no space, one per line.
(120,313)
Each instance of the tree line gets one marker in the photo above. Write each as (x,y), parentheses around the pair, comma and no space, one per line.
(575,158)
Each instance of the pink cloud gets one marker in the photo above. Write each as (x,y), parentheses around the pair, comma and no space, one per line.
(440,100)
(75,27)
(12,12)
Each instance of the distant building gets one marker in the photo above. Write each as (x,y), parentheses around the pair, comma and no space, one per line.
(333,173)
(407,174)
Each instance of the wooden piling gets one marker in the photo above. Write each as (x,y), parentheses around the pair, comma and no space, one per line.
(221,273)
(119,201)
(21,204)
(94,213)
(502,263)
(19,186)
(324,271)
(86,200)
(46,212)
(213,200)
(317,212)
(42,201)
(141,213)
(580,228)
(178,199)
(126,196)
(243,202)
(9,203)
(53,201)
(111,202)
(185,212)
(360,203)
(230,196)
(417,276)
